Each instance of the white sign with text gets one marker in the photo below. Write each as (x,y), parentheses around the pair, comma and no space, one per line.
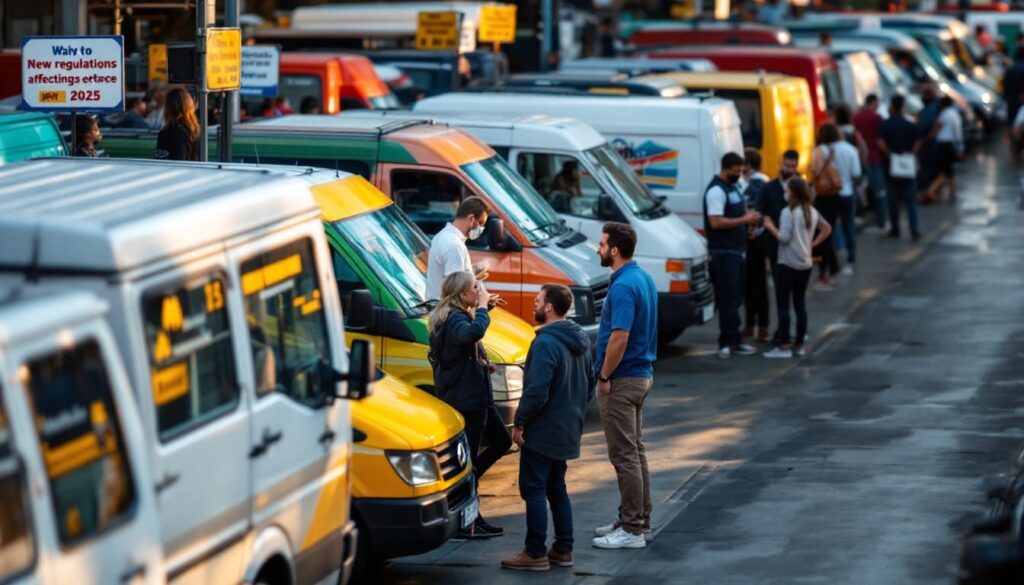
(72,74)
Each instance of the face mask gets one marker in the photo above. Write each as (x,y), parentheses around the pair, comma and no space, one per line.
(733,179)
(476,232)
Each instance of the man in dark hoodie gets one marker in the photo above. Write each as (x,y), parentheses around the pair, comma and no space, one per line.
(559,383)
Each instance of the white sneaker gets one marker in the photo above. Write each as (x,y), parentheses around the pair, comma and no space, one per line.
(619,538)
(745,349)
(847,270)
(609,528)
(778,354)
(724,353)
(799,351)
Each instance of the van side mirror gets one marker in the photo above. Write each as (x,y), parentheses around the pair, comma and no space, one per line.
(362,312)
(497,239)
(361,370)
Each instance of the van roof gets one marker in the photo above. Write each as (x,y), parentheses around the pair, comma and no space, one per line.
(81,215)
(43,312)
(725,79)
(533,129)
(758,51)
(453,145)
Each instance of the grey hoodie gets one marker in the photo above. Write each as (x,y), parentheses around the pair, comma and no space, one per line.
(558,385)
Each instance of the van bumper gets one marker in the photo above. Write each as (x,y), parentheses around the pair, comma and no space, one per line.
(677,311)
(403,527)
(351,539)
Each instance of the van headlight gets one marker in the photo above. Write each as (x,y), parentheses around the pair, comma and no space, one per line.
(507,382)
(416,468)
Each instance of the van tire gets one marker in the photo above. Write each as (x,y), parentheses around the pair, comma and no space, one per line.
(366,563)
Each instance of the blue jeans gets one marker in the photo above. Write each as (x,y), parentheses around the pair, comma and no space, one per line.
(848,217)
(876,178)
(903,191)
(542,482)
(728,272)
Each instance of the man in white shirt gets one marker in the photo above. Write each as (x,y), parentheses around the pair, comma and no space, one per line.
(448,252)
(846,161)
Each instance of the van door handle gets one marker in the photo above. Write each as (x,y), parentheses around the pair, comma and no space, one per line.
(167,481)
(132,573)
(269,438)
(326,438)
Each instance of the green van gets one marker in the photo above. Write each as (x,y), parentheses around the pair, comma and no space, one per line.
(25,135)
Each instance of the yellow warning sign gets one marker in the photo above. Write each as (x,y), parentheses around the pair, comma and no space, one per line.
(498,24)
(171,318)
(157,63)
(438,31)
(162,350)
(170,383)
(223,59)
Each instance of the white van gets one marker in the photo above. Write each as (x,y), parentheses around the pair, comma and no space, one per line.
(70,430)
(676,145)
(224,306)
(540,147)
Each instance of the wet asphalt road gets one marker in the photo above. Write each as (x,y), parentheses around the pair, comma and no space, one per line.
(860,463)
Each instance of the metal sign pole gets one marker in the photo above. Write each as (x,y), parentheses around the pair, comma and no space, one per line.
(201,25)
(230,109)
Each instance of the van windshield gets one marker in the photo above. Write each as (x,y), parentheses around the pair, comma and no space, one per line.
(523,205)
(748,106)
(833,90)
(632,191)
(395,250)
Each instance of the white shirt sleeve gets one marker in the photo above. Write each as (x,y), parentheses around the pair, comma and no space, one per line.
(786,226)
(716,201)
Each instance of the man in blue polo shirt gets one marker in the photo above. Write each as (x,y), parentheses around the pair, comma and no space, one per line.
(726,220)
(627,343)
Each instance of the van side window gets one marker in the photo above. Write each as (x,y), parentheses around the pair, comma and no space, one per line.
(429,199)
(563,181)
(81,440)
(748,106)
(348,279)
(287,328)
(192,363)
(17,547)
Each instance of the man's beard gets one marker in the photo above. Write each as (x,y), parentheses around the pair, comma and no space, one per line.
(606,261)
(540,316)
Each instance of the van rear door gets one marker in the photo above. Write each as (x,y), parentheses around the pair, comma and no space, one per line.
(96,515)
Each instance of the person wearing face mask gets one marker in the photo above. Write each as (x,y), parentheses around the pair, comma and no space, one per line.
(448,251)
(726,219)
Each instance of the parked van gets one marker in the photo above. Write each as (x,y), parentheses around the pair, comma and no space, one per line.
(775,111)
(338,81)
(676,145)
(221,300)
(634,65)
(380,267)
(709,33)
(26,135)
(817,67)
(77,492)
(540,147)
(585,81)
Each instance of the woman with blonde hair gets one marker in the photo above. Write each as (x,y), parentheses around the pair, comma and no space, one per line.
(462,374)
(179,138)
(796,240)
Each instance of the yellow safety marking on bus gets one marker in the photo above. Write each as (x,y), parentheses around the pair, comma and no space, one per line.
(330,507)
(76,453)
(170,383)
(162,348)
(311,307)
(609,90)
(171,318)
(73,521)
(97,414)
(271,274)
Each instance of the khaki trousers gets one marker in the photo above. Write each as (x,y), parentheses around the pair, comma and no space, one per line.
(622,419)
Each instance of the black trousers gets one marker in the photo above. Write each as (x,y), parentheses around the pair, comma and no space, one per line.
(485,424)
(755,297)
(728,270)
(791,284)
(829,208)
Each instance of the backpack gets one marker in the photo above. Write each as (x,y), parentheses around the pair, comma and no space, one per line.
(826,181)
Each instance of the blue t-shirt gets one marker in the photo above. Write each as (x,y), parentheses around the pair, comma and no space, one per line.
(631,305)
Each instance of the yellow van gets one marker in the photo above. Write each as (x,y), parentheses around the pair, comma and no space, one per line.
(380,263)
(775,110)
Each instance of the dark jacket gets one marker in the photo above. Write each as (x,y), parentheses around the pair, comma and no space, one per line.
(463,377)
(771,203)
(558,385)
(173,143)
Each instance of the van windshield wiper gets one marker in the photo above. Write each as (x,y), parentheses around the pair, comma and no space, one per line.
(554,224)
(429,305)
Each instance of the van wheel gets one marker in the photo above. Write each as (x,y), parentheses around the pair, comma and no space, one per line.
(365,563)
(667,336)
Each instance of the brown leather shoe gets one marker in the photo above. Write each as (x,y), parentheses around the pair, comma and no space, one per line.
(747,333)
(762,335)
(524,562)
(559,559)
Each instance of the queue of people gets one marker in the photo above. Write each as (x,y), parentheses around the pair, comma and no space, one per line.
(759,227)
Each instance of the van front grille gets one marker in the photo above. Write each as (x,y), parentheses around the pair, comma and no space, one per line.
(451,458)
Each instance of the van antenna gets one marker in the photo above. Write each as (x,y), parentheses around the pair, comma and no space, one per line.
(256,148)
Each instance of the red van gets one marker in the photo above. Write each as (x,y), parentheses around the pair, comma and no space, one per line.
(710,33)
(817,67)
(10,72)
(338,81)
